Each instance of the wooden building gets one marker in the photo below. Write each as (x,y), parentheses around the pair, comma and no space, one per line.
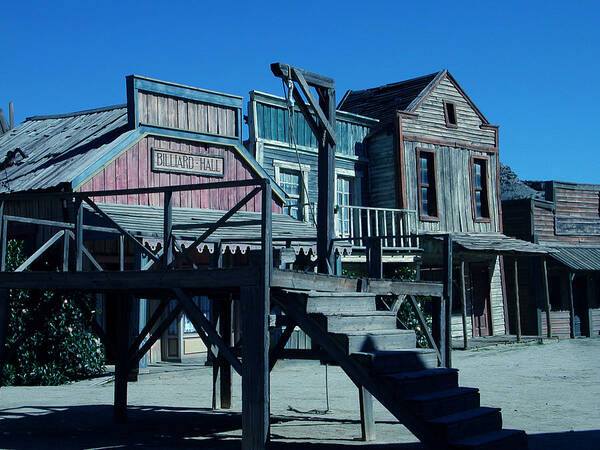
(416,159)
(566,218)
(158,199)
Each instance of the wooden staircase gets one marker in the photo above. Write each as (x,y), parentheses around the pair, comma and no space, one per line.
(383,359)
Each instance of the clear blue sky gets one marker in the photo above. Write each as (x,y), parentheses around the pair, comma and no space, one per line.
(531,67)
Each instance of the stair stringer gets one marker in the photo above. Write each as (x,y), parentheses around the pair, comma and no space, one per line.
(294,305)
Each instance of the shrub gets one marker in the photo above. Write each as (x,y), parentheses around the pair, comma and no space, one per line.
(62,348)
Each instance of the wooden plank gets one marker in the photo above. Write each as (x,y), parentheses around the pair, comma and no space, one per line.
(40,251)
(517,301)
(367,418)
(276,351)
(423,324)
(221,367)
(168,254)
(446,318)
(283,71)
(571,306)
(546,294)
(121,363)
(65,256)
(78,236)
(463,291)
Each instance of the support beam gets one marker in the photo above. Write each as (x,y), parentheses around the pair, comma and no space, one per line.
(275,352)
(546,293)
(168,254)
(40,251)
(571,306)
(66,239)
(517,301)
(367,418)
(463,292)
(78,235)
(423,324)
(374,258)
(123,307)
(221,367)
(446,306)
(591,293)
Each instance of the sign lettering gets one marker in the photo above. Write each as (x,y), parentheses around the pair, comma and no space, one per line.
(177,162)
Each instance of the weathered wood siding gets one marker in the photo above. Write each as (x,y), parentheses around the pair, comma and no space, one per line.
(497,299)
(382,171)
(432,123)
(271,144)
(595,319)
(543,222)
(186,114)
(453,188)
(560,324)
(132,170)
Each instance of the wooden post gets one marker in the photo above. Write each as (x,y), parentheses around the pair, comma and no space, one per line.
(374,258)
(326,186)
(446,307)
(66,251)
(168,229)
(4,319)
(546,297)
(463,292)
(78,235)
(517,301)
(255,303)
(123,308)
(571,306)
(591,292)
(367,419)
(221,367)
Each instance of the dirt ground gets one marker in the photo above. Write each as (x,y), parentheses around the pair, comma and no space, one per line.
(552,391)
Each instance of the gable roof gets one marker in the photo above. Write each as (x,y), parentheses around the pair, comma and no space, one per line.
(58,147)
(382,102)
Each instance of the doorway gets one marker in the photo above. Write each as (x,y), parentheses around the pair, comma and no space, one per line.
(480,299)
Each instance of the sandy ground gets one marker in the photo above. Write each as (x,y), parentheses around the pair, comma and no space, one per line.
(552,391)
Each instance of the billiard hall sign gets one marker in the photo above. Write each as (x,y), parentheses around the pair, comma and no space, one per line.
(178,162)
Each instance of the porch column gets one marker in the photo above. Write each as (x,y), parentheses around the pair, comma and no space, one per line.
(222,368)
(517,302)
(546,297)
(571,306)
(591,292)
(463,292)
(123,309)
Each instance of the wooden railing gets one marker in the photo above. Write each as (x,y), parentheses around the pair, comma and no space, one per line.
(397,228)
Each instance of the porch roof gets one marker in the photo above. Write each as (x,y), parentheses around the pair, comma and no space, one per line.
(188,224)
(496,243)
(578,258)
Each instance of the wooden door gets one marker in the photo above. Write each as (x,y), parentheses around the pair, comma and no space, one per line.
(480,300)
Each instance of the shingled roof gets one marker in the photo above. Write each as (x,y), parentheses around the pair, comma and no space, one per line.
(54,149)
(382,102)
(512,188)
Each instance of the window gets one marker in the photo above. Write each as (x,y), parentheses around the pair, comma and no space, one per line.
(450,114)
(343,198)
(481,209)
(426,185)
(289,180)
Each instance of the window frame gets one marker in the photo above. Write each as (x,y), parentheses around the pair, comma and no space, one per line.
(484,190)
(447,114)
(427,217)
(303,170)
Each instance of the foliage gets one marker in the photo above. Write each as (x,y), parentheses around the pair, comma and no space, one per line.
(61,349)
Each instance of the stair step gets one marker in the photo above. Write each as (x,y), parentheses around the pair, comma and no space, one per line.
(374,340)
(318,302)
(444,403)
(409,384)
(340,322)
(495,440)
(394,361)
(460,425)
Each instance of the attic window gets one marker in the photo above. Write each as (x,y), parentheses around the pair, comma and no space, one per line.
(450,114)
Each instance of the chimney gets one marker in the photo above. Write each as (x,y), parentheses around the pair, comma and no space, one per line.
(11,115)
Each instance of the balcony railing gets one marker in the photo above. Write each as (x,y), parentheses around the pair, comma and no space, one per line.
(397,228)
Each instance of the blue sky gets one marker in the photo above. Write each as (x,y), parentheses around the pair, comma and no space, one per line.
(531,67)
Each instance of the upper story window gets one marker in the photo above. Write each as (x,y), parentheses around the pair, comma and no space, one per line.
(427,185)
(343,188)
(450,114)
(479,170)
(293,179)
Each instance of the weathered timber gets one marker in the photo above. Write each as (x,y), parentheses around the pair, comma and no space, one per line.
(142,281)
(546,295)
(78,235)
(314,79)
(446,308)
(167,229)
(222,368)
(40,251)
(276,351)
(150,323)
(65,256)
(517,301)
(375,258)
(121,363)
(423,324)
(571,306)
(367,418)
(463,293)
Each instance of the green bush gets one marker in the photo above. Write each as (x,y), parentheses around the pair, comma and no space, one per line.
(62,348)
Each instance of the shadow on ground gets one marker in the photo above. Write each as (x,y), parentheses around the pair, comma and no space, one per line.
(91,426)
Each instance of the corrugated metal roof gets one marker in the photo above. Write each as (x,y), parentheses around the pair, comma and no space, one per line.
(578,258)
(147,221)
(58,147)
(493,243)
(382,102)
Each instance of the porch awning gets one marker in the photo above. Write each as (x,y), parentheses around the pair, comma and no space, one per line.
(146,222)
(496,243)
(578,258)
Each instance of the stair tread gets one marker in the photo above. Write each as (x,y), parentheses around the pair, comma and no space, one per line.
(356,313)
(484,438)
(420,373)
(465,415)
(382,332)
(447,393)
